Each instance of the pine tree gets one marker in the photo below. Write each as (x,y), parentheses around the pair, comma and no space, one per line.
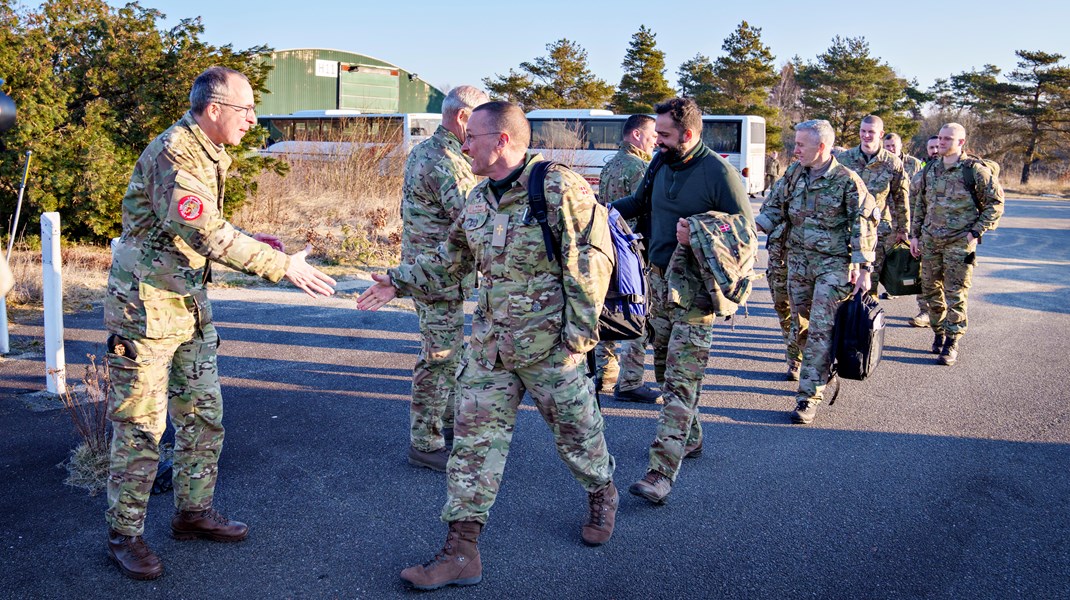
(737,83)
(846,83)
(560,80)
(643,84)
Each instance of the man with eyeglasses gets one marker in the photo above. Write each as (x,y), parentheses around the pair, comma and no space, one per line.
(161,351)
(537,318)
(437,180)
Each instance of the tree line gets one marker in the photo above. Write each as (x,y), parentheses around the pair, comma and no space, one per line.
(1023,119)
(94,84)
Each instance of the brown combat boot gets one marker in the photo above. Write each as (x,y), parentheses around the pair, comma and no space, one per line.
(603,504)
(456,564)
(207,524)
(654,486)
(134,557)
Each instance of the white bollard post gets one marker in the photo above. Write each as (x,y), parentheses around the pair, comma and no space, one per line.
(52,285)
(5,341)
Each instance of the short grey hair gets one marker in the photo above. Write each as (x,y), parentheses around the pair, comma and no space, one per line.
(462,97)
(213,85)
(821,129)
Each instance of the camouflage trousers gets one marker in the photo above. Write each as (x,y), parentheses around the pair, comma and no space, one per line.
(434,378)
(659,320)
(623,362)
(777,274)
(946,276)
(487,404)
(150,380)
(818,284)
(679,425)
(885,242)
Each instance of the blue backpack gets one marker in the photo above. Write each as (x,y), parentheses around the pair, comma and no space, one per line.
(626,305)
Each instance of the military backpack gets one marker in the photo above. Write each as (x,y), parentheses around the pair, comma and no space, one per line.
(624,312)
(969,177)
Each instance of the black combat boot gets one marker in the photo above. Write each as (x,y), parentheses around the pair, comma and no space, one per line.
(938,343)
(950,352)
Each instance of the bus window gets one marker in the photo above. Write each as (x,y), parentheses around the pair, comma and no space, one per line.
(723,137)
(757,133)
(561,135)
(604,135)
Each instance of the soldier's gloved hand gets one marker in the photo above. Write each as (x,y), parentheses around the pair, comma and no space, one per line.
(270,240)
(309,278)
(377,295)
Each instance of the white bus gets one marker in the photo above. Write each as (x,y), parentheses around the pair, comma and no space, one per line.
(337,134)
(586,139)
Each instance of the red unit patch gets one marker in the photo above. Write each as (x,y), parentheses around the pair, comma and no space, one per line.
(725,227)
(190,208)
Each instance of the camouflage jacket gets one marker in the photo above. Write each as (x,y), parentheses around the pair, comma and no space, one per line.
(438,177)
(172,227)
(944,208)
(833,215)
(527,303)
(773,166)
(775,239)
(622,173)
(911,166)
(886,181)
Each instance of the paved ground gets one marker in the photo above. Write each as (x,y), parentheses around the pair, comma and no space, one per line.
(924,482)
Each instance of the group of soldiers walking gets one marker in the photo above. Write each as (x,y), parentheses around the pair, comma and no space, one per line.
(538,302)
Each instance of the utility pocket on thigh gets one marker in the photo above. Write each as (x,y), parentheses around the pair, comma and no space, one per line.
(700,337)
(131,393)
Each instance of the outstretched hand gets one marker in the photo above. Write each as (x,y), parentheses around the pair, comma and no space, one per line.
(377,295)
(305,276)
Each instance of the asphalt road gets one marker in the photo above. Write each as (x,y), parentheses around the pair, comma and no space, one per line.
(923,482)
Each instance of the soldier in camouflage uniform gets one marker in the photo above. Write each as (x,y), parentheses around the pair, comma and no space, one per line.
(773,170)
(692,180)
(883,174)
(776,272)
(536,318)
(162,348)
(947,228)
(894,144)
(911,166)
(832,233)
(438,177)
(621,364)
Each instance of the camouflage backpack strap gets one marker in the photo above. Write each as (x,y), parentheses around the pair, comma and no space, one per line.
(537,207)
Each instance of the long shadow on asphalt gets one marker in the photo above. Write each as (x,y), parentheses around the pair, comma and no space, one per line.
(336,512)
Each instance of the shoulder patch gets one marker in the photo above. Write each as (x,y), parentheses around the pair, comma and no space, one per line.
(190,208)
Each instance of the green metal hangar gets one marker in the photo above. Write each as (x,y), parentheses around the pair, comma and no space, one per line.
(320,79)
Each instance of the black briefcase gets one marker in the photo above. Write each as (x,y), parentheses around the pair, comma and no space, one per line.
(901,274)
(858,337)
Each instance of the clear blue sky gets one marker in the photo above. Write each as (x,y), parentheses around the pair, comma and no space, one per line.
(449,43)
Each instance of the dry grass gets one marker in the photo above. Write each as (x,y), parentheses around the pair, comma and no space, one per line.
(85,276)
(1038,186)
(87,406)
(347,205)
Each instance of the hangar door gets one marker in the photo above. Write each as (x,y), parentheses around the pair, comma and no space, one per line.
(368,89)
